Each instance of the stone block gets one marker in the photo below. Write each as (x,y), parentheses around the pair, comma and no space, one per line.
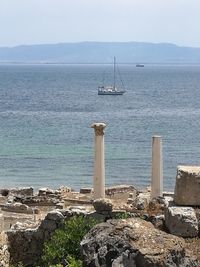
(22,191)
(181,221)
(102,205)
(142,200)
(18,208)
(187,189)
(86,190)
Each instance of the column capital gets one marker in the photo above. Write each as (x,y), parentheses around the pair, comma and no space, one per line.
(99,128)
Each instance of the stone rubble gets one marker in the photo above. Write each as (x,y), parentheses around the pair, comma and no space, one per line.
(181,221)
(18,207)
(187,188)
(133,242)
(26,238)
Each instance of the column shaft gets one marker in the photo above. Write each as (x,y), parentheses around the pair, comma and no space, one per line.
(157,167)
(99,163)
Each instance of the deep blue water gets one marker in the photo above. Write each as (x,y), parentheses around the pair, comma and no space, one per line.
(46,112)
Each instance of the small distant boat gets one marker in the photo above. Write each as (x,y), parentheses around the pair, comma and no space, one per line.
(112,89)
(139,65)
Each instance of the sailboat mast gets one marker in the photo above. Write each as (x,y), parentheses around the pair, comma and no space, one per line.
(114,72)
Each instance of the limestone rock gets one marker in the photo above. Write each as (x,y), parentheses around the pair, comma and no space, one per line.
(133,243)
(23,226)
(46,200)
(54,215)
(4,256)
(60,205)
(142,200)
(120,189)
(102,205)
(181,221)
(187,189)
(47,191)
(65,189)
(22,191)
(86,190)
(4,192)
(19,208)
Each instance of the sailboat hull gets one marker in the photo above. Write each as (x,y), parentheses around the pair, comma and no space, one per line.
(111,93)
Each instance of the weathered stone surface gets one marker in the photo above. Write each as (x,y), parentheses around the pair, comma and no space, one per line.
(133,243)
(4,256)
(39,200)
(158,221)
(19,208)
(25,245)
(120,189)
(54,215)
(65,189)
(47,191)
(60,205)
(24,225)
(22,191)
(102,205)
(142,200)
(4,192)
(86,190)
(187,189)
(181,221)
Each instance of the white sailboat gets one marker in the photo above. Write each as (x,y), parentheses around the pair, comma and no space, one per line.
(112,89)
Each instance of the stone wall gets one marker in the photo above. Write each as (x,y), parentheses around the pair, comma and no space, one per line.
(4,256)
(25,245)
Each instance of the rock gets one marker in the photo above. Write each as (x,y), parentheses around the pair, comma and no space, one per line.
(181,221)
(158,221)
(23,226)
(47,192)
(65,189)
(22,191)
(187,189)
(4,192)
(4,256)
(142,200)
(40,200)
(130,195)
(77,208)
(18,208)
(54,215)
(133,243)
(60,205)
(120,189)
(130,200)
(102,205)
(86,190)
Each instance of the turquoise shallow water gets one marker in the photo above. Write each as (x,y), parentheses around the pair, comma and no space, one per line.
(46,112)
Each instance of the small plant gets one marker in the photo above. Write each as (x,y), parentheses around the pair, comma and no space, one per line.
(64,246)
(124,215)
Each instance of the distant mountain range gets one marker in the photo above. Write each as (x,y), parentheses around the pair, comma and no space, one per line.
(100,52)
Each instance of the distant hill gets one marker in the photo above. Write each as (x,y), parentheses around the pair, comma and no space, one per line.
(100,52)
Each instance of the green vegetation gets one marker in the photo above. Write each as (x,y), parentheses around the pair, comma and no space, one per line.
(124,215)
(64,245)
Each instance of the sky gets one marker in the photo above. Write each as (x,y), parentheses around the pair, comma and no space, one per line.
(24,22)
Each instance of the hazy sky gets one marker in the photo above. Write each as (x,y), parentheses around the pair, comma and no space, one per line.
(55,21)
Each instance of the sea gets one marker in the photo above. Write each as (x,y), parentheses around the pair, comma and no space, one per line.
(46,112)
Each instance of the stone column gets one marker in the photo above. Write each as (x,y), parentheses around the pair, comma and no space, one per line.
(99,163)
(157,167)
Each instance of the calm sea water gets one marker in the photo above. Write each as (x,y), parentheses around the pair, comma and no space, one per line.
(46,112)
